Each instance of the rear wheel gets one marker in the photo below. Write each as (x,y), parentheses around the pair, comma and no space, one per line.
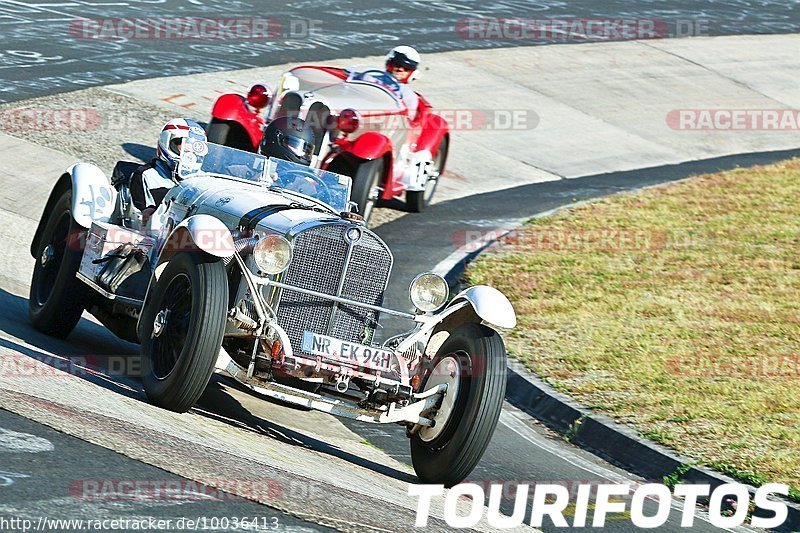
(367,186)
(472,362)
(57,297)
(229,133)
(419,200)
(184,322)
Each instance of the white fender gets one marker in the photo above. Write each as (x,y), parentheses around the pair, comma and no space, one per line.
(93,197)
(489,304)
(206,232)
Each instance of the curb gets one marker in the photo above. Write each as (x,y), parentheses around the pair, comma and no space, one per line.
(616,443)
(613,442)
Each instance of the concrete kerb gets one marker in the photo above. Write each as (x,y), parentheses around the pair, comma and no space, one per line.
(614,442)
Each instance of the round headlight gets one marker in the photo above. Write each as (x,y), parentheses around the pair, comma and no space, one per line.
(429,292)
(272,254)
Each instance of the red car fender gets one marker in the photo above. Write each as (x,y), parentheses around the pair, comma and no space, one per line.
(369,146)
(233,107)
(434,128)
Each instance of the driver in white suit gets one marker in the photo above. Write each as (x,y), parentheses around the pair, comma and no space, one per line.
(402,62)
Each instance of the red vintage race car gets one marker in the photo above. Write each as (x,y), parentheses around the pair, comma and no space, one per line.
(364,128)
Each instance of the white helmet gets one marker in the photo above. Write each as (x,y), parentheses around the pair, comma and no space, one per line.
(172,134)
(404,57)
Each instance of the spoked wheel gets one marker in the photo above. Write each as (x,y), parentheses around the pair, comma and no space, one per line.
(472,362)
(367,186)
(183,326)
(57,297)
(171,326)
(419,200)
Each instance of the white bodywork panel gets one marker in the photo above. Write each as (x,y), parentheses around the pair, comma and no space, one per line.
(93,197)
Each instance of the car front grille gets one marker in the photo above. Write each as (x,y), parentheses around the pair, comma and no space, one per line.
(319,264)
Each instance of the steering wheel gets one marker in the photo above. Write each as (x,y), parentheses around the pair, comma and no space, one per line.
(323,192)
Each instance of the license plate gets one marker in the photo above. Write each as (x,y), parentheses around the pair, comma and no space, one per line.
(347,352)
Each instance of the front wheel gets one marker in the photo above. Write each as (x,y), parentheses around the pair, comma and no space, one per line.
(184,322)
(367,186)
(419,200)
(57,297)
(472,362)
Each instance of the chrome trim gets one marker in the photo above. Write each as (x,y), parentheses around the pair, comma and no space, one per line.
(109,295)
(411,413)
(401,314)
(348,258)
(428,323)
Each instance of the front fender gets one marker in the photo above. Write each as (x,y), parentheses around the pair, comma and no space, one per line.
(231,107)
(370,145)
(474,305)
(434,129)
(198,232)
(93,197)
(490,305)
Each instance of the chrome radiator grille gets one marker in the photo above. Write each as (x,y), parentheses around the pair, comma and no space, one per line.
(319,264)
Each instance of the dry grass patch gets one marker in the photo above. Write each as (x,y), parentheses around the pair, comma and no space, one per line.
(675,310)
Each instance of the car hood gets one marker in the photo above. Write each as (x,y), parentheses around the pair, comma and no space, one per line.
(364,97)
(232,201)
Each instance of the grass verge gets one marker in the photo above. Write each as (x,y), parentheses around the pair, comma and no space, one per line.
(675,310)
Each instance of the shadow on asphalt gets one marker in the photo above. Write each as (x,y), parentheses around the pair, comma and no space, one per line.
(92,353)
(139,151)
(221,406)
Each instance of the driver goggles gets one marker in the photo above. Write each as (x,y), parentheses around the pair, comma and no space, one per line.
(402,61)
(298,146)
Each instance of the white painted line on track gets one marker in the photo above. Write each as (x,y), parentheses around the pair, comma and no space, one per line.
(14,441)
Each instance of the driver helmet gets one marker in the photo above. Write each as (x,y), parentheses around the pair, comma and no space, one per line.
(402,62)
(289,138)
(171,138)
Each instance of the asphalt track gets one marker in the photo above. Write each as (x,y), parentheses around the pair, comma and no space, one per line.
(40,53)
(520,451)
(74,472)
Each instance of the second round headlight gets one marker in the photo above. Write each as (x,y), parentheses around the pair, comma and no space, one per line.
(272,254)
(429,292)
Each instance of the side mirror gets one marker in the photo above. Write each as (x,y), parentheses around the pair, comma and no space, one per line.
(259,96)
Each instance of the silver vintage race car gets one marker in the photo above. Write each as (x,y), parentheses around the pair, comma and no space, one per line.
(258,268)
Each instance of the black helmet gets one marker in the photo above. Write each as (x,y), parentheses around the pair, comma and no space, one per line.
(289,138)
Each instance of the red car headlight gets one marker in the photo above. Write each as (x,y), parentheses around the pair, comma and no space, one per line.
(349,121)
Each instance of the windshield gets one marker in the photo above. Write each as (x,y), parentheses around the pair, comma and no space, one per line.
(378,77)
(327,187)
(203,158)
